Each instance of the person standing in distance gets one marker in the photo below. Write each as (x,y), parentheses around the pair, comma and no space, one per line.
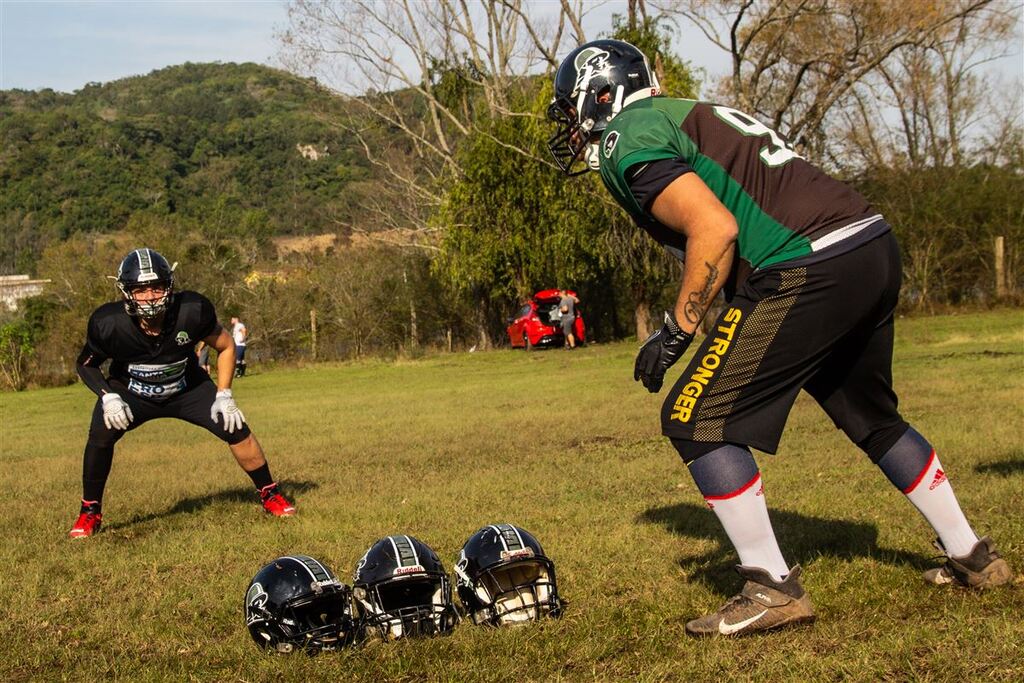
(239,334)
(567,310)
(811,274)
(149,338)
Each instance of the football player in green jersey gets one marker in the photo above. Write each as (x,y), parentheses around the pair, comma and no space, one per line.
(811,276)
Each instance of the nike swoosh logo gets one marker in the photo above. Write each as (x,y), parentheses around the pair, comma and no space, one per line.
(728,629)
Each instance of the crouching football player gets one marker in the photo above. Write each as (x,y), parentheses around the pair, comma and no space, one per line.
(149,339)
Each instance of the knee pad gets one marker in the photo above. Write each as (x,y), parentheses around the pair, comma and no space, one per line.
(879,441)
(718,468)
(904,463)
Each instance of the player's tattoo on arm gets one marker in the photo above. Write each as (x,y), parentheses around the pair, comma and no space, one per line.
(697,302)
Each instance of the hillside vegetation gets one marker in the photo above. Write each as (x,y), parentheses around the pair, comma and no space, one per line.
(242,144)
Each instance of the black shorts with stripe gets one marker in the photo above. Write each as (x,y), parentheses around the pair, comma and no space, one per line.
(826,327)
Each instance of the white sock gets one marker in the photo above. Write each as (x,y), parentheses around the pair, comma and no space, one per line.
(744,515)
(933,496)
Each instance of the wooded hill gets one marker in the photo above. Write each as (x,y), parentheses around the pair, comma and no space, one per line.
(242,144)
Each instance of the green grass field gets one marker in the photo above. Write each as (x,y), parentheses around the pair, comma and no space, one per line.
(566,446)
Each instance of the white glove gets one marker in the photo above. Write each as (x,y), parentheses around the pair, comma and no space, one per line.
(225,405)
(116,413)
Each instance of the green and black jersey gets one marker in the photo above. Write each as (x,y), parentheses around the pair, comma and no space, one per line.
(787,209)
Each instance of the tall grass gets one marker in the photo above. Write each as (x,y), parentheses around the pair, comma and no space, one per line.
(563,444)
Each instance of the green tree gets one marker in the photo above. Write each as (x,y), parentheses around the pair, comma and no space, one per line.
(16,349)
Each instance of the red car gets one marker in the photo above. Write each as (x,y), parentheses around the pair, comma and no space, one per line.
(537,323)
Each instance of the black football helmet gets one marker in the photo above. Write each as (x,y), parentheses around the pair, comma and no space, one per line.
(145,268)
(296,603)
(401,589)
(593,83)
(504,577)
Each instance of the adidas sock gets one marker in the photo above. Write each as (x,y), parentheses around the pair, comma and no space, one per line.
(261,476)
(730,481)
(912,466)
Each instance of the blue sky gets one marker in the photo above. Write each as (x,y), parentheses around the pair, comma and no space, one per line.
(64,45)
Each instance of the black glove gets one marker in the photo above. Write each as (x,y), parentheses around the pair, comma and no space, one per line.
(661,350)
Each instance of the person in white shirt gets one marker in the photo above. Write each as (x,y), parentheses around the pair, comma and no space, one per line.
(239,333)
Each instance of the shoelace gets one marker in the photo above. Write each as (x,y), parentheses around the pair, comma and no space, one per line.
(89,517)
(275,498)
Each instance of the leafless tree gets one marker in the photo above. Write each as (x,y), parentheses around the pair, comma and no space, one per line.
(795,61)
(431,72)
(933,105)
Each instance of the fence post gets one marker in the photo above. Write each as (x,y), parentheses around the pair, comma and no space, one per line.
(1000,268)
(312,331)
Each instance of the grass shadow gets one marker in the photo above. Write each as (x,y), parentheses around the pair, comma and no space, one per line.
(189,505)
(802,538)
(1002,468)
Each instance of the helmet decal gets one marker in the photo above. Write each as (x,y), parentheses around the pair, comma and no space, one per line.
(405,553)
(590,62)
(255,600)
(146,272)
(509,536)
(462,577)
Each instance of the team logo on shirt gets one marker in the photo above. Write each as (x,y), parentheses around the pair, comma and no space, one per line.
(610,141)
(182,338)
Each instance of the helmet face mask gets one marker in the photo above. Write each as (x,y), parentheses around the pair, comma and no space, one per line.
(296,603)
(415,606)
(402,590)
(504,578)
(592,85)
(141,270)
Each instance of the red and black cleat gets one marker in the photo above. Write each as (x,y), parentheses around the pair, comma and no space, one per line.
(90,519)
(274,501)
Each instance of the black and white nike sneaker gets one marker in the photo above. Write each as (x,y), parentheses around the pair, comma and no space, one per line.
(763,605)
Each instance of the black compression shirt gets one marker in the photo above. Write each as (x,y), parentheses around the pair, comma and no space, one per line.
(152,367)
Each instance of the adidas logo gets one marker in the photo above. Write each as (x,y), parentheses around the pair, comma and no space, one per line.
(940,477)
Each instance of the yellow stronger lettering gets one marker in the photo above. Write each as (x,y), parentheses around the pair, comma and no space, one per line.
(691,391)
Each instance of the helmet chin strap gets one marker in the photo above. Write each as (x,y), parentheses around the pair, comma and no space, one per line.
(593,156)
(617,103)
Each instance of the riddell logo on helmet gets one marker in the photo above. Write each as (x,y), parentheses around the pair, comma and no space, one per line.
(414,569)
(516,554)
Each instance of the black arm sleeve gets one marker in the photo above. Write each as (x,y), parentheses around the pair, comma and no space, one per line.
(89,370)
(646,181)
(89,362)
